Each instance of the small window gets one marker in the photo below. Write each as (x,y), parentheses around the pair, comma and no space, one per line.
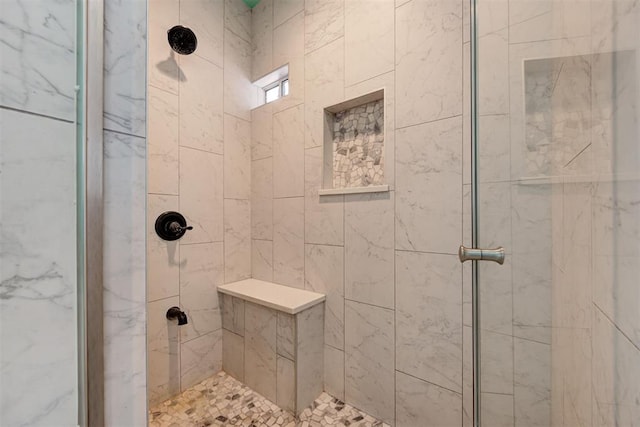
(274,85)
(276,90)
(271,94)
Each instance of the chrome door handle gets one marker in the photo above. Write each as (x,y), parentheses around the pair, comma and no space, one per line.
(496,255)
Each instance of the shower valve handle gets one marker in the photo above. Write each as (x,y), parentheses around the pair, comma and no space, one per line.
(171,226)
(175,227)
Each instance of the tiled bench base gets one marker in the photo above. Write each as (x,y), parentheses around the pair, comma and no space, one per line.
(277,354)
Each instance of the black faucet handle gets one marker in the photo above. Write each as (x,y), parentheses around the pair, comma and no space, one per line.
(171,226)
(176,228)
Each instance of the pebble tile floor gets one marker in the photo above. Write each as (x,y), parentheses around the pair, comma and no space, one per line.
(223,401)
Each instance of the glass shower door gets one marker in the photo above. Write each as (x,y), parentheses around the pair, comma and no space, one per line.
(556,182)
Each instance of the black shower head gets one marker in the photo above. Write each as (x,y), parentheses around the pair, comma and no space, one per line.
(182,40)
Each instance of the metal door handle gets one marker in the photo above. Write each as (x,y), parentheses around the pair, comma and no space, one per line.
(496,255)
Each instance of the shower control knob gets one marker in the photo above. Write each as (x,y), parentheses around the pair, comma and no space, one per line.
(176,228)
(171,225)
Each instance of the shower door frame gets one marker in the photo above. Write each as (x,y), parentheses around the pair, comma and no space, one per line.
(91,339)
(475,297)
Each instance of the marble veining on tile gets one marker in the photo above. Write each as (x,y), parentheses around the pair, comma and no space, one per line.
(37,271)
(222,401)
(358,146)
(38,56)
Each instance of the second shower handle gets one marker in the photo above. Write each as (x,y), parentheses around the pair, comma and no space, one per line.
(171,225)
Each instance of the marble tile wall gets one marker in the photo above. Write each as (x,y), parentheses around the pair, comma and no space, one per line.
(544,351)
(38,283)
(38,269)
(349,246)
(199,164)
(38,104)
(125,148)
(553,118)
(277,354)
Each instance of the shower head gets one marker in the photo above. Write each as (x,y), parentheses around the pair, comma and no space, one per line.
(182,40)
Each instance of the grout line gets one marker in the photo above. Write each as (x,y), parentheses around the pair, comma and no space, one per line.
(324,244)
(163,90)
(286,109)
(497,394)
(511,274)
(162,194)
(429,122)
(315,49)
(209,61)
(288,197)
(344,211)
(395,183)
(201,243)
(369,304)
(202,335)
(163,298)
(615,325)
(234,116)
(286,20)
(377,76)
(118,132)
(426,252)
(429,382)
(198,149)
(31,113)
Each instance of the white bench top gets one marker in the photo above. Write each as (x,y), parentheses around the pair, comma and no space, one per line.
(283,298)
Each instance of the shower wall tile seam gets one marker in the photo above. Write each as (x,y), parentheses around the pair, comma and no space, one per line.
(237,117)
(377,76)
(426,252)
(289,197)
(284,110)
(235,34)
(35,114)
(184,147)
(439,119)
(201,335)
(309,52)
(429,382)
(497,394)
(201,243)
(155,193)
(548,40)
(210,61)
(163,298)
(163,89)
(124,133)
(370,304)
(616,326)
(310,243)
(121,132)
(288,19)
(395,221)
(255,159)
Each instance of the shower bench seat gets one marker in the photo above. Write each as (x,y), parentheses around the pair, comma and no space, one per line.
(273,340)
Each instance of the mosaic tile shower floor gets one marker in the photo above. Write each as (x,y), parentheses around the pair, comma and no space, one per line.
(223,401)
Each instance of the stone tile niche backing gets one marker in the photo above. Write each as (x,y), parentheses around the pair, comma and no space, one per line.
(358,144)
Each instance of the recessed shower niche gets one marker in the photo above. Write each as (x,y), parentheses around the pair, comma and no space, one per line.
(354,146)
